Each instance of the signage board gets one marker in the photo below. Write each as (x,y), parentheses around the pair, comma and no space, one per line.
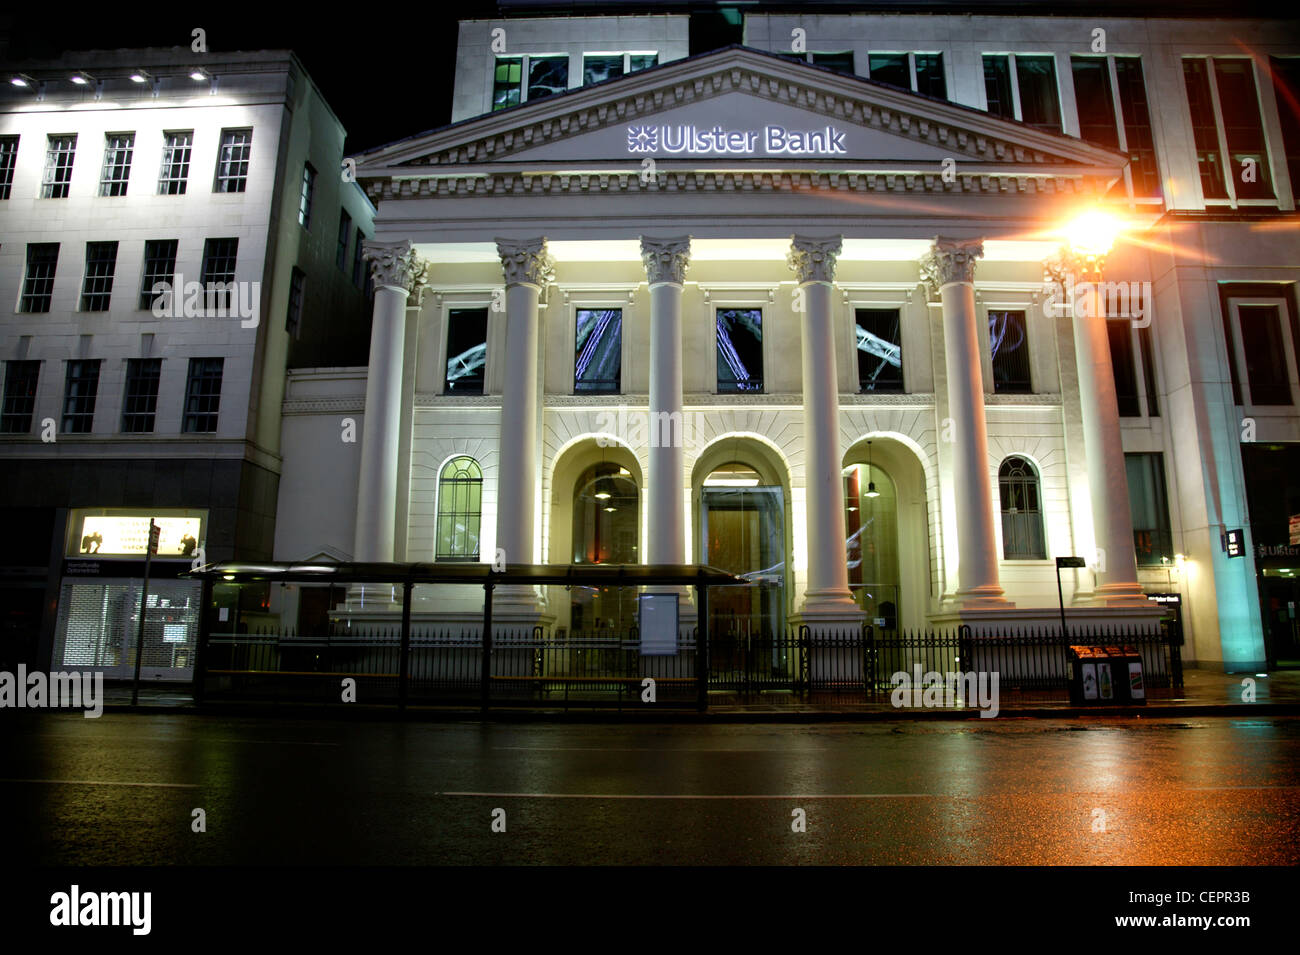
(1070,562)
(1234,542)
(1295,528)
(121,535)
(658,624)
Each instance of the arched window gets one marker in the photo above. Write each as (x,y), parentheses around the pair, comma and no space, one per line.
(1022,512)
(460,506)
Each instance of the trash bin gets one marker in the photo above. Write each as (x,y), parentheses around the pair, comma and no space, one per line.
(1134,679)
(1083,676)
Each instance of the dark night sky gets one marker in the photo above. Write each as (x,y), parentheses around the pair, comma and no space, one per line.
(387,69)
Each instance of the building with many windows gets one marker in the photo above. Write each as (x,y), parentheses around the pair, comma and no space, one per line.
(175,231)
(839,309)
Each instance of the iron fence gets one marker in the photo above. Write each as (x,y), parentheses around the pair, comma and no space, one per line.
(530,667)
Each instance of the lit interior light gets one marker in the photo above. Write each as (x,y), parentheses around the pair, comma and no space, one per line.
(871,490)
(731,482)
(22,79)
(198,74)
(139,76)
(624,472)
(611,509)
(81,79)
(1094,232)
(603,495)
(227,576)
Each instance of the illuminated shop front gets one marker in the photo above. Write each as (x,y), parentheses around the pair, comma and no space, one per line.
(99,596)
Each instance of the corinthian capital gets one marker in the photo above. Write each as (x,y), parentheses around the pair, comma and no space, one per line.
(526,261)
(395,265)
(813,260)
(950,260)
(666,260)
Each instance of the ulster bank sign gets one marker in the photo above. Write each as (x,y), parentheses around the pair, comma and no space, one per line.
(767,141)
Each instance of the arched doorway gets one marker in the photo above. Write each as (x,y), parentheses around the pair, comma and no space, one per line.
(743,530)
(594,518)
(605,520)
(887,545)
(871,530)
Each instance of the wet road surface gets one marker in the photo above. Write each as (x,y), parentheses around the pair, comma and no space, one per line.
(122,790)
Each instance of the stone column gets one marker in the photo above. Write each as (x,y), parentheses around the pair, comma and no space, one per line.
(827,600)
(949,272)
(398,272)
(528,268)
(666,262)
(1115,562)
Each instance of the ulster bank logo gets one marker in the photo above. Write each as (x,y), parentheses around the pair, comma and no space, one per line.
(769,141)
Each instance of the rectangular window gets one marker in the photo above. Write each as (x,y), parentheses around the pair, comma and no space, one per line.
(118,148)
(203,395)
(8,160)
(598,354)
(1040,104)
(59,155)
(1096,106)
(1243,128)
(97,288)
(740,350)
(1261,340)
(889,68)
(1149,372)
(997,86)
(599,67)
(1286,83)
(1009,349)
(1152,538)
(641,61)
(358,260)
(507,82)
(345,233)
(232,162)
(1138,139)
(466,351)
(79,396)
(38,283)
(159,268)
(175,172)
(1205,131)
(929,75)
(518,79)
(839,62)
(20,396)
(1121,360)
(880,350)
(140,403)
(1024,88)
(218,275)
(547,75)
(297,284)
(305,199)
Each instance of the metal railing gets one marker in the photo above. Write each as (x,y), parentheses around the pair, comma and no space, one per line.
(531,667)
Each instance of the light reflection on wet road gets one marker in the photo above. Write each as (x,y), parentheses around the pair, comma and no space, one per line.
(1092,791)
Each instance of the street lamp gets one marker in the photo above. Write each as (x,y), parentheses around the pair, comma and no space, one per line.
(1090,236)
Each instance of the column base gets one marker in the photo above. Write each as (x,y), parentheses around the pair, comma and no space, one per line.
(516,608)
(829,611)
(988,598)
(1128,594)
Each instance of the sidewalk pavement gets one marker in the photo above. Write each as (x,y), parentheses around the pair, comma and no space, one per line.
(1204,693)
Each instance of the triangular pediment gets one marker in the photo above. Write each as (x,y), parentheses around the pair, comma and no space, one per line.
(739,109)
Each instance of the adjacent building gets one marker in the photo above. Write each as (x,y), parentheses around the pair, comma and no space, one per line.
(176,229)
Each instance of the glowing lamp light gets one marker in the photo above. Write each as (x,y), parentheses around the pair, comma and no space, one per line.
(22,80)
(1093,233)
(871,490)
(81,79)
(603,495)
(227,576)
(139,76)
(198,74)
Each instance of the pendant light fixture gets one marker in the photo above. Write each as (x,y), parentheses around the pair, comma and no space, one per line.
(871,485)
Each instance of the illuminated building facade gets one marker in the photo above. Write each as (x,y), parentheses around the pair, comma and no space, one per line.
(174,232)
